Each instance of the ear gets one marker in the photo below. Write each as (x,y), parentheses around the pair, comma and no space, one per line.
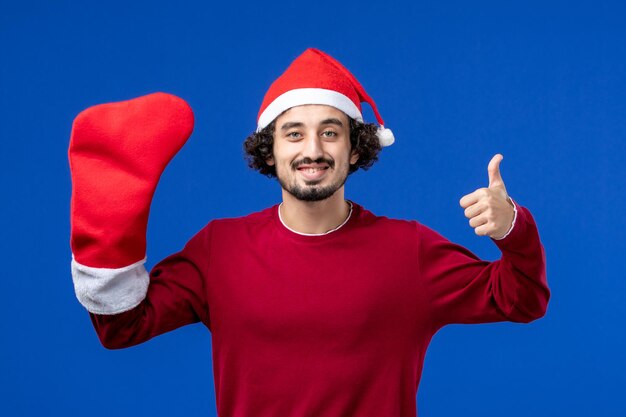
(354,157)
(270,161)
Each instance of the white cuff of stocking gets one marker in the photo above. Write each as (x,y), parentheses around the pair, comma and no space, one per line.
(110,290)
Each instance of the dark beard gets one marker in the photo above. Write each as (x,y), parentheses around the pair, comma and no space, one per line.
(311,192)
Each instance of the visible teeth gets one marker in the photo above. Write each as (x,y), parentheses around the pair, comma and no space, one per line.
(311,170)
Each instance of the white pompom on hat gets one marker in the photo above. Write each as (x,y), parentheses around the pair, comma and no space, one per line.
(317,78)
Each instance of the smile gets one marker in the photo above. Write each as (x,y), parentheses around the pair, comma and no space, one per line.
(312,170)
(312,173)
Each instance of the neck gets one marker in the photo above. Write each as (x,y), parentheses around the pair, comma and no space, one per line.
(314,217)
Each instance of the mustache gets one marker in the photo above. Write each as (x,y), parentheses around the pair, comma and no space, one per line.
(305,161)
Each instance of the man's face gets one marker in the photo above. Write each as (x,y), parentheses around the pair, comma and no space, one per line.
(312,151)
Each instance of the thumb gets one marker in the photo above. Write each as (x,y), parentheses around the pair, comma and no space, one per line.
(495,179)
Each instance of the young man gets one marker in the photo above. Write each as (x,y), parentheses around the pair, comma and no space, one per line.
(316,306)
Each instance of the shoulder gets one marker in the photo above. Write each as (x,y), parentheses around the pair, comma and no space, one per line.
(367,219)
(232,228)
(231,225)
(396,228)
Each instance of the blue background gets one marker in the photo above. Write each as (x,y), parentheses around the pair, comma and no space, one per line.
(543,83)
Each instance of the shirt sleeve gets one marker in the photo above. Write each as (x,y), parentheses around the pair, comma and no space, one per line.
(462,288)
(176,296)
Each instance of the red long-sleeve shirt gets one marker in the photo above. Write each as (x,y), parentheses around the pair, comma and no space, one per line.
(330,325)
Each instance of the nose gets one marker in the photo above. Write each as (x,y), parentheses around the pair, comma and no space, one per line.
(313,147)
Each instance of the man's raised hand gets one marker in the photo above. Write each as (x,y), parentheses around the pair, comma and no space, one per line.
(489,209)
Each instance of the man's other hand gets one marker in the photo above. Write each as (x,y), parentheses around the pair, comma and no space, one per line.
(489,209)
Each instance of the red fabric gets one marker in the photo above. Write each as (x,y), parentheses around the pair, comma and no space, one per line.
(312,69)
(117,154)
(334,325)
(316,69)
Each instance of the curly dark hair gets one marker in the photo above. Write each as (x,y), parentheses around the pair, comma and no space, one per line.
(259,145)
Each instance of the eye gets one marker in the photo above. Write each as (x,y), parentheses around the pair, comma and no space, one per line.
(294,135)
(329,134)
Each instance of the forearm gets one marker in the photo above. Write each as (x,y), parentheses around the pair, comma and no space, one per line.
(462,288)
(522,271)
(175,296)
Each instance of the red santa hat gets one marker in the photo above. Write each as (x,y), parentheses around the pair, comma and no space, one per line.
(317,78)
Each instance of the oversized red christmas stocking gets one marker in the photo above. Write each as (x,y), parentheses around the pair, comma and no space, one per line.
(117,154)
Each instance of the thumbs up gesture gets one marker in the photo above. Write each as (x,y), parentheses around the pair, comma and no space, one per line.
(489,209)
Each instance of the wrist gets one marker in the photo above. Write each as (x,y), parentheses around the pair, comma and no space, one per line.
(514,207)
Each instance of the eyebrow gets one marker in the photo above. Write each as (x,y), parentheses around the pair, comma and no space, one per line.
(289,125)
(331,121)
